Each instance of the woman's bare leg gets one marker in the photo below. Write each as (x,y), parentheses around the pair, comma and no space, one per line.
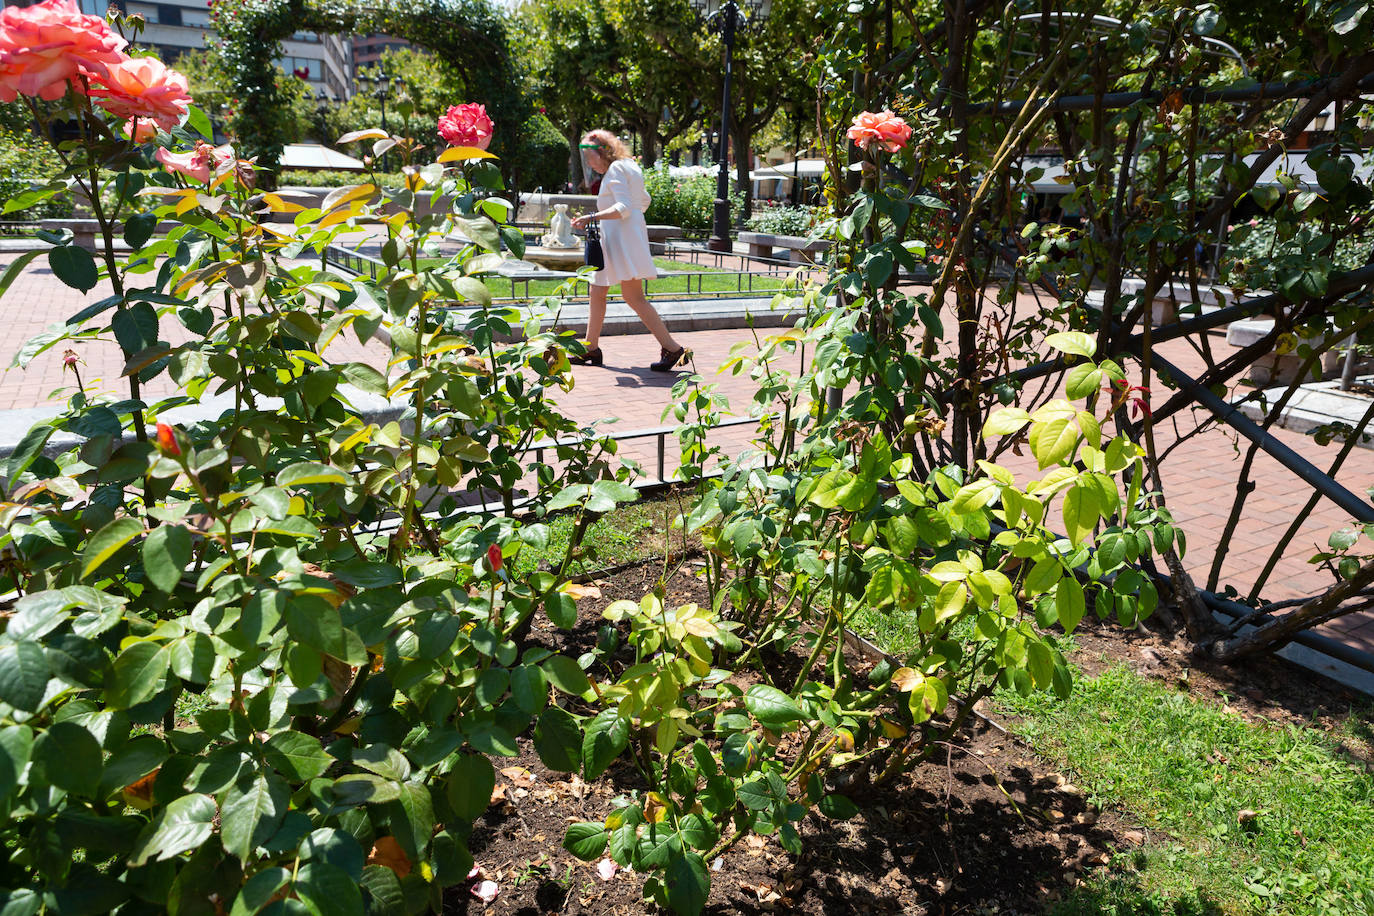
(633,293)
(596,315)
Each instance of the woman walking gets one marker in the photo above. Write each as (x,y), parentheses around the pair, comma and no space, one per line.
(621,202)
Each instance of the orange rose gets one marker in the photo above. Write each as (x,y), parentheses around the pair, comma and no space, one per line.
(143,87)
(45,47)
(140,130)
(883,128)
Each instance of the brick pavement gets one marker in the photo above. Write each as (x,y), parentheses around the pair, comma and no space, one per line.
(1199,476)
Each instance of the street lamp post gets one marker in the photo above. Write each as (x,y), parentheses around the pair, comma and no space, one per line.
(726,19)
(383,82)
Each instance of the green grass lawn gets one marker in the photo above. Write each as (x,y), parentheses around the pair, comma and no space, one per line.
(718,281)
(634,532)
(1188,768)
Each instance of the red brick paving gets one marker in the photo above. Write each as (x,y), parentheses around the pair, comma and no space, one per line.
(1199,475)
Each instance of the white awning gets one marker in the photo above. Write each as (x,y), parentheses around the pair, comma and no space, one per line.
(785,171)
(317,156)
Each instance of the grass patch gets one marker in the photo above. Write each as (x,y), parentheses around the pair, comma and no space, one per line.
(638,531)
(1189,768)
(718,281)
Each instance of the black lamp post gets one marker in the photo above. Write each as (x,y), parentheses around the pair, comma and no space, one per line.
(726,19)
(382,80)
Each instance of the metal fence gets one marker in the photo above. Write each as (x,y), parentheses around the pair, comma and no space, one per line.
(519,288)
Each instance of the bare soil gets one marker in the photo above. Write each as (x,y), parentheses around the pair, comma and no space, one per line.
(987,827)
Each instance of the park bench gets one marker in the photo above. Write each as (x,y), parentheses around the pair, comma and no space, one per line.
(797,250)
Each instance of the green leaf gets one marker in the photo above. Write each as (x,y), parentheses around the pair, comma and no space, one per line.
(298,757)
(607,735)
(259,891)
(185,824)
(136,759)
(135,327)
(974,496)
(586,841)
(688,883)
(1080,513)
(385,897)
(383,760)
(566,675)
(314,622)
(69,757)
(74,266)
(23,675)
(1053,441)
(1006,421)
(364,377)
(16,746)
(558,740)
(773,708)
(309,472)
(470,784)
(139,228)
(1083,381)
(16,267)
(837,807)
(529,688)
(1075,342)
(106,542)
(327,890)
(412,819)
(365,789)
(561,609)
(1069,602)
(253,810)
(166,553)
(138,671)
(199,121)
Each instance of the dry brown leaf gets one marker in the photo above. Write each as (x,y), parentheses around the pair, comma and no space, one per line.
(578,591)
(386,851)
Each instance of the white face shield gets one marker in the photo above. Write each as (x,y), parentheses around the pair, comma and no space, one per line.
(590,154)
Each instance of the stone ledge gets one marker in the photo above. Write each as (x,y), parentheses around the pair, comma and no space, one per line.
(1314,405)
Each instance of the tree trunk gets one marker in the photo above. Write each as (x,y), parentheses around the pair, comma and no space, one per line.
(1278,632)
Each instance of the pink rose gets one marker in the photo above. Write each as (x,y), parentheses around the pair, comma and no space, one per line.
(200,163)
(466,125)
(45,47)
(883,128)
(143,87)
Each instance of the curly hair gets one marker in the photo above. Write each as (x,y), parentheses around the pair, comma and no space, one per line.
(608,144)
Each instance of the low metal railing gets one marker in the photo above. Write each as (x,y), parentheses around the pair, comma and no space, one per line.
(745,282)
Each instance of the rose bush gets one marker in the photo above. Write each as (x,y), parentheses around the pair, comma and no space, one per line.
(50,46)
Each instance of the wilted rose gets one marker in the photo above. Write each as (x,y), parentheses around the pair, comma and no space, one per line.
(45,47)
(883,128)
(466,125)
(143,87)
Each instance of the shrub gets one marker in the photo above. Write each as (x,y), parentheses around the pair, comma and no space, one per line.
(328,178)
(542,159)
(782,219)
(688,203)
(26,160)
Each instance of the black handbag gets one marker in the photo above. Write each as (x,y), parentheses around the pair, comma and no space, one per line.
(592,255)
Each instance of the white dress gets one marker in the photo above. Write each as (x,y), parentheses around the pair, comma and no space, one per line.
(624,241)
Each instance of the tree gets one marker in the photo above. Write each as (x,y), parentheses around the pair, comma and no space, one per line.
(212,87)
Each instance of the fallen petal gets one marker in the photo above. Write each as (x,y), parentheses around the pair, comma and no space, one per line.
(475,873)
(486,891)
(607,868)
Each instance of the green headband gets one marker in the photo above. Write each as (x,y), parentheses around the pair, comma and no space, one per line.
(589,146)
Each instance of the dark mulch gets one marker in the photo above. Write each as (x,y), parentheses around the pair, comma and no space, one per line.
(986,827)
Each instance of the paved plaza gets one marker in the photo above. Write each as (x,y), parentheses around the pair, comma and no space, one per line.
(1199,475)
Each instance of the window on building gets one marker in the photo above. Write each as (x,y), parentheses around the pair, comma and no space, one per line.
(168,14)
